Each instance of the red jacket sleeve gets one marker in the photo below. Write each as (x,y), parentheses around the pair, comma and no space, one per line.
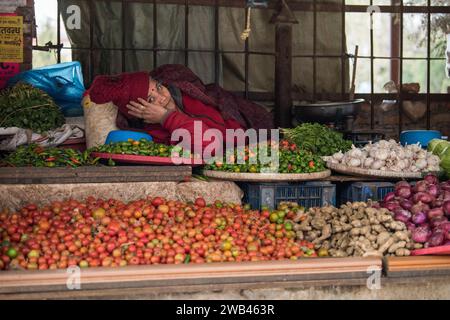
(197,119)
(178,120)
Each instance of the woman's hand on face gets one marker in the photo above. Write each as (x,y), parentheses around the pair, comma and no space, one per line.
(147,111)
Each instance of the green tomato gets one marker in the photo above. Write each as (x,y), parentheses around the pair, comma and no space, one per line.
(12,253)
(273,217)
(288,226)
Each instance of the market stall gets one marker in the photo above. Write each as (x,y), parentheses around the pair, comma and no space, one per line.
(109,206)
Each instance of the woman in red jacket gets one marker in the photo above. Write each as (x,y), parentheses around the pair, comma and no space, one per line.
(172,97)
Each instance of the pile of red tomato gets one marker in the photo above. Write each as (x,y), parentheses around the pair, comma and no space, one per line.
(111,233)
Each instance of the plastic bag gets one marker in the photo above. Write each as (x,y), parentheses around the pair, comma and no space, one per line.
(63,82)
(13,137)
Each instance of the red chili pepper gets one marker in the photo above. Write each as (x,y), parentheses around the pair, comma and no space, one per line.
(311,164)
(75,161)
(50,159)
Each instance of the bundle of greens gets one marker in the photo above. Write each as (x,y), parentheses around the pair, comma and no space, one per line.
(27,107)
(317,138)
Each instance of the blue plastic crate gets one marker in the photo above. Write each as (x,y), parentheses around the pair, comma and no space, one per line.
(307,194)
(363,191)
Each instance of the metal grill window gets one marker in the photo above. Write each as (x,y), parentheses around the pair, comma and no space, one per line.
(394,12)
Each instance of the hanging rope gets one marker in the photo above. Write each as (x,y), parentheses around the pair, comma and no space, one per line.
(246,33)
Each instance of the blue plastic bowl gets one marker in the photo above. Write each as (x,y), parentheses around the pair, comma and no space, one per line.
(421,136)
(124,135)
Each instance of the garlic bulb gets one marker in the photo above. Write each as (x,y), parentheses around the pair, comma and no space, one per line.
(433,160)
(421,163)
(338,156)
(354,162)
(382,154)
(422,154)
(388,156)
(368,162)
(402,164)
(377,164)
(355,152)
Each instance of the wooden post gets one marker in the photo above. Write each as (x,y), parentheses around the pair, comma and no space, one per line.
(283,19)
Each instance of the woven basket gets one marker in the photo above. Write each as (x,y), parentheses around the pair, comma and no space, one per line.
(266,177)
(373,173)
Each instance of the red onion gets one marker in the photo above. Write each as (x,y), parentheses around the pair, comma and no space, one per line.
(402,215)
(420,207)
(421,186)
(445,185)
(431,178)
(434,190)
(402,183)
(411,226)
(421,234)
(389,197)
(438,222)
(446,207)
(445,226)
(446,195)
(406,204)
(391,206)
(419,218)
(436,239)
(437,203)
(435,212)
(403,192)
(423,197)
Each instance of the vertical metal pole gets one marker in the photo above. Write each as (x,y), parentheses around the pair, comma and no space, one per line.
(314,50)
(186,32)
(428,65)
(155,34)
(58,34)
(124,25)
(216,42)
(246,59)
(91,40)
(400,91)
(372,116)
(395,50)
(343,56)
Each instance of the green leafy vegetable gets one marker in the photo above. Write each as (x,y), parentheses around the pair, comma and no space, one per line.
(27,107)
(441,148)
(317,138)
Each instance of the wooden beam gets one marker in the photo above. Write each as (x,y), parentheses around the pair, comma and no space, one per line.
(307,269)
(94,174)
(417,266)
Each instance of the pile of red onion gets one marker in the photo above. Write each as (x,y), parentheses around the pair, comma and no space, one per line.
(424,208)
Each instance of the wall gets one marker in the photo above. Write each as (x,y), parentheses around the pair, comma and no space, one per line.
(23,8)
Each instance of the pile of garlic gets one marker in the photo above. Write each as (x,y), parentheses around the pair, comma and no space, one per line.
(388,156)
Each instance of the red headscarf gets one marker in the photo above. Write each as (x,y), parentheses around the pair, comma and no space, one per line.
(120,89)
